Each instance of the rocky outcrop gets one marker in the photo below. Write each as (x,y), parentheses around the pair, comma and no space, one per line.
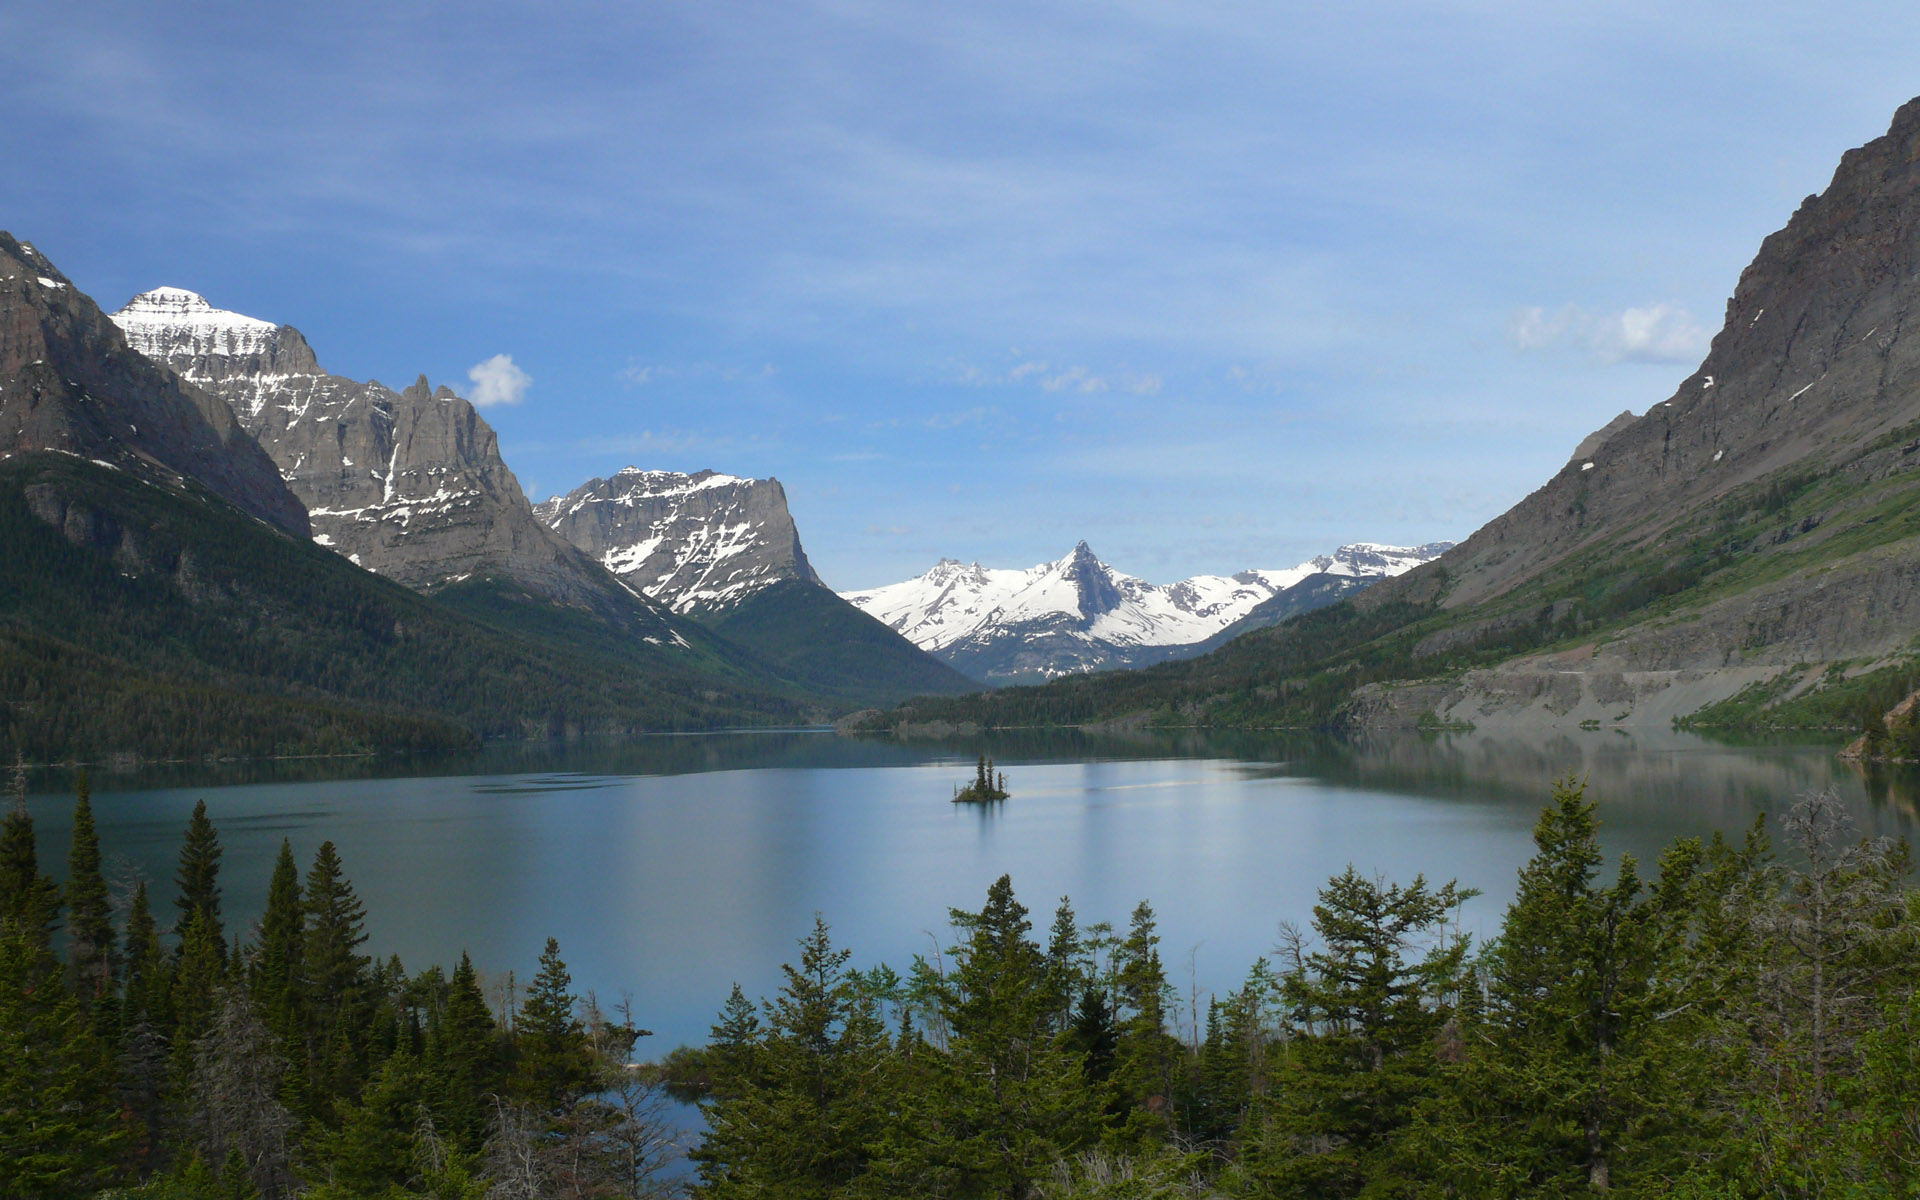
(69,382)
(1812,366)
(409,484)
(697,543)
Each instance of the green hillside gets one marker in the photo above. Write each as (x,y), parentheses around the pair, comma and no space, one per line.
(165,623)
(832,649)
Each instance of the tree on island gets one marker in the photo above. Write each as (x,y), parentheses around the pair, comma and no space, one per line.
(986,784)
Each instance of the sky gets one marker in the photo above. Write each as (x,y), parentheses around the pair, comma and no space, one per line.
(1210,286)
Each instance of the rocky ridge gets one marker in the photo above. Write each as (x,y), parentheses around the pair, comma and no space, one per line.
(696,543)
(1775,484)
(70,383)
(409,484)
(1077,614)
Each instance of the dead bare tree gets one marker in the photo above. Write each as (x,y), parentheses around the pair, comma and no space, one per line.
(237,1069)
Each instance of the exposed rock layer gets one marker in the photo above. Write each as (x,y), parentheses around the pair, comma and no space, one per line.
(409,484)
(697,543)
(69,382)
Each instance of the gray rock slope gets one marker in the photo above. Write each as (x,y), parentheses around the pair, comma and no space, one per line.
(69,382)
(1802,422)
(409,484)
(697,543)
(724,551)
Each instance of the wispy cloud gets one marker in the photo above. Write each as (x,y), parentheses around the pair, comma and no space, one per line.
(1655,333)
(953,420)
(498,381)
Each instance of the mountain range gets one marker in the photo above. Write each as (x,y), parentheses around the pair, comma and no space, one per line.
(411,485)
(1077,614)
(1745,551)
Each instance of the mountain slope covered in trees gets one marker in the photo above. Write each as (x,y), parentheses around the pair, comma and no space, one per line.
(164,623)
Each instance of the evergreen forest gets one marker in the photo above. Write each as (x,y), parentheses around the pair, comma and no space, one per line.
(1740,1018)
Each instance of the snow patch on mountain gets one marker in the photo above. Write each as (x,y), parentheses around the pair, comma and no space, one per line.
(699,542)
(956,610)
(169,321)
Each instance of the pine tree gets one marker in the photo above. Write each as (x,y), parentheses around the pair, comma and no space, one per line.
(1147,1058)
(554,1067)
(464,1060)
(235,1095)
(1580,1059)
(373,1150)
(197,978)
(798,1116)
(1067,972)
(29,901)
(274,969)
(1007,1100)
(144,993)
(1371,1013)
(333,983)
(91,955)
(199,878)
(57,1139)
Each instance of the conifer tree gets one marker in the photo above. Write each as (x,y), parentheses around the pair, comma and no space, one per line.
(235,1095)
(1147,1057)
(373,1151)
(465,1060)
(197,979)
(274,969)
(1007,1099)
(199,878)
(1371,1011)
(29,901)
(1067,973)
(91,955)
(802,1124)
(57,1139)
(143,995)
(333,980)
(554,1066)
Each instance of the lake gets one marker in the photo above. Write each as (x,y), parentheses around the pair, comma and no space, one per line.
(669,868)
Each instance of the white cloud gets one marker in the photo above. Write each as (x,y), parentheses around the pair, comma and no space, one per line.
(1077,379)
(498,381)
(1656,333)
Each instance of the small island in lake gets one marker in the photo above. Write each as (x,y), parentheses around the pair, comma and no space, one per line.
(986,785)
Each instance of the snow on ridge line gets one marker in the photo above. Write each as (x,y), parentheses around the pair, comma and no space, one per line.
(956,602)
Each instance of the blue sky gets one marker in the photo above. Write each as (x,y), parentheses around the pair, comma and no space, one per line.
(1209,285)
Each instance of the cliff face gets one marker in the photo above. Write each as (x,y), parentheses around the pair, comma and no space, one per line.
(697,543)
(69,382)
(1813,365)
(408,484)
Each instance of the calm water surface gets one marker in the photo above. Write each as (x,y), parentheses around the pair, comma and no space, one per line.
(672,868)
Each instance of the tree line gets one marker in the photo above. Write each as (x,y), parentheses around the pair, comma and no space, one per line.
(1729,1023)
(146,1050)
(1726,1022)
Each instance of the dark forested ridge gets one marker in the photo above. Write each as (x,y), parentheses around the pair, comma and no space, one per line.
(1722,1023)
(832,649)
(167,624)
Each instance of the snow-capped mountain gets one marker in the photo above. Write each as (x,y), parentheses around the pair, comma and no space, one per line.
(697,543)
(1079,614)
(408,484)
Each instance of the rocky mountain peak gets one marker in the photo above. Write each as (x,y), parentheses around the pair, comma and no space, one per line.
(1093,583)
(697,543)
(1076,613)
(185,331)
(70,382)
